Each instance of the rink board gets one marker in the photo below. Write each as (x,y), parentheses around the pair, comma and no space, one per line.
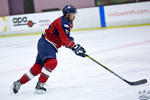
(86,18)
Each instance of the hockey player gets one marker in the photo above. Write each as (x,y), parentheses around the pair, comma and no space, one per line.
(57,35)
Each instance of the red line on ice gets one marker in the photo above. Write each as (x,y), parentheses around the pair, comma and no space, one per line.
(99,51)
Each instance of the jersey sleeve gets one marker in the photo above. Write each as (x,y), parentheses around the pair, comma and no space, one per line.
(64,34)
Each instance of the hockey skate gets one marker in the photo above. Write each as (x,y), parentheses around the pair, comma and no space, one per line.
(40,89)
(16,86)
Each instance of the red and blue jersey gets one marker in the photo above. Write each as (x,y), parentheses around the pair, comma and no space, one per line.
(58,33)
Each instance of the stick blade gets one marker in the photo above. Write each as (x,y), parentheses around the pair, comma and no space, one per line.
(140,82)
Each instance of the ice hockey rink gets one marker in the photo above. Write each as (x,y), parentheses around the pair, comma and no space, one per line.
(126,51)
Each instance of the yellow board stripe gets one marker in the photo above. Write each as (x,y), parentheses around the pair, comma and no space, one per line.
(125,26)
(5,29)
(99,28)
(14,35)
(4,18)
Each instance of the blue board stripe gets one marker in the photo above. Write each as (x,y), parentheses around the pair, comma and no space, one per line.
(102,16)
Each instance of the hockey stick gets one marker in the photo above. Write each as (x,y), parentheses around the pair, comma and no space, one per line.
(143,81)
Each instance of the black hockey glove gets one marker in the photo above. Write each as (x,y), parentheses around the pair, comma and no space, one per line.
(79,50)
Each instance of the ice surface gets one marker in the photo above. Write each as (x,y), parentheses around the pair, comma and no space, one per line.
(125,50)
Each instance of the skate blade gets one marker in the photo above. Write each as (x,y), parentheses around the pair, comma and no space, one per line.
(11,90)
(39,91)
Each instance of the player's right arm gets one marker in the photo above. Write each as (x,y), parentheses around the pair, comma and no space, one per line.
(64,34)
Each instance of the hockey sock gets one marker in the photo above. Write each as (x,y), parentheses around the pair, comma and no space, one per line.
(35,70)
(49,66)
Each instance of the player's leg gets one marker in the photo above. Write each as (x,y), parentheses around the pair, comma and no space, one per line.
(49,66)
(47,53)
(34,70)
